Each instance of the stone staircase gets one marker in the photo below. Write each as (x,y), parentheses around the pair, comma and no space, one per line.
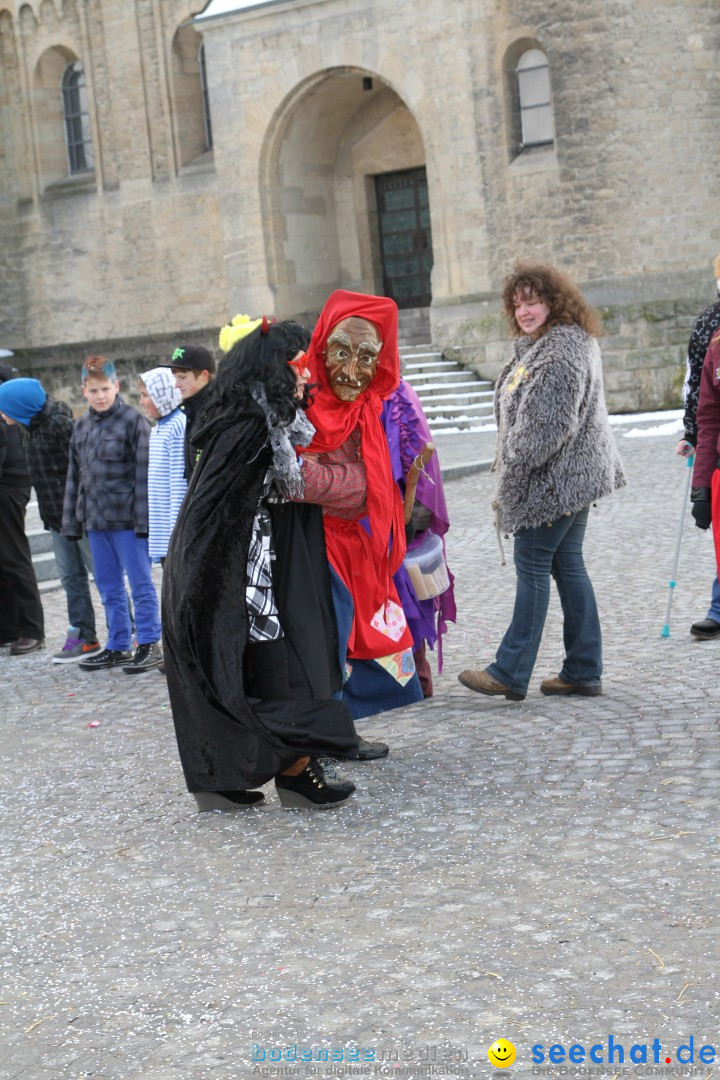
(453,398)
(41,549)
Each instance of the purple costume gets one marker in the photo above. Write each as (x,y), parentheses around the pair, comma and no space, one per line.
(407,432)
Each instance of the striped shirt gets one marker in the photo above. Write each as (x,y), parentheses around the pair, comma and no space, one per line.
(166,480)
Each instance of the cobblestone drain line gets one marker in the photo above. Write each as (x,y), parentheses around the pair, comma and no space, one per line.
(544,872)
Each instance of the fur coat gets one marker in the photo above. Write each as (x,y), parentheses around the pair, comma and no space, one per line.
(555,452)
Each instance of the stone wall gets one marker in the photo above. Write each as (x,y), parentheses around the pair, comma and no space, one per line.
(310,100)
(646,329)
(132,248)
(58,369)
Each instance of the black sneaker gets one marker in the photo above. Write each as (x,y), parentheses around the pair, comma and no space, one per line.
(312,789)
(146,658)
(105,659)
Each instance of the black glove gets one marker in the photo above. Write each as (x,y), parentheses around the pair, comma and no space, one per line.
(700,509)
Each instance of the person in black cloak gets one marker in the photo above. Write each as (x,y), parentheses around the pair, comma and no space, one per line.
(248,629)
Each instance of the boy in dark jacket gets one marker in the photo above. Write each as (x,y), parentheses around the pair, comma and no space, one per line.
(194,370)
(22,624)
(50,426)
(106,495)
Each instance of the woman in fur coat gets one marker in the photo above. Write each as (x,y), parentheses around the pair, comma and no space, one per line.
(555,456)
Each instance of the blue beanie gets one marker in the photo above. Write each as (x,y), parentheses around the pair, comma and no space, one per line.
(21,399)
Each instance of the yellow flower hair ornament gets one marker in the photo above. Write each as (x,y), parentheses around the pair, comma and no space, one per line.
(240,327)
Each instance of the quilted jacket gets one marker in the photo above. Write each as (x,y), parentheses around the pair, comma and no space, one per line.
(106,487)
(48,450)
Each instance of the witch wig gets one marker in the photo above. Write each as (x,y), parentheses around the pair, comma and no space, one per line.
(261,359)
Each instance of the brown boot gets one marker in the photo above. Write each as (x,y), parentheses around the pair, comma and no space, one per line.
(485,684)
(556,685)
(26,645)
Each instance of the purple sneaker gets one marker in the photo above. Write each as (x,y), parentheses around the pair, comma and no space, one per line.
(75,649)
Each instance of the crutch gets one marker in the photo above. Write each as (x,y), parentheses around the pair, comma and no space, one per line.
(665,632)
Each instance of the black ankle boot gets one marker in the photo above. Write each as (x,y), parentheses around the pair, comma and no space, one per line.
(311,789)
(226,800)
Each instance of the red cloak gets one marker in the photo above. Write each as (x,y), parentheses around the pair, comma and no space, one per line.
(365,564)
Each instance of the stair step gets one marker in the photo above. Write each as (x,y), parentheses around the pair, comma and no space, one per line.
(469,407)
(40,541)
(461,424)
(466,395)
(446,384)
(438,362)
(429,354)
(442,377)
(49,585)
(44,565)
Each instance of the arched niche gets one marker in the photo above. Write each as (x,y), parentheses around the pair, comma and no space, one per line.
(48,113)
(191,118)
(324,150)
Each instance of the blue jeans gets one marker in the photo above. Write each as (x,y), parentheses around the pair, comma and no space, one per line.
(539,553)
(714,612)
(114,552)
(74,562)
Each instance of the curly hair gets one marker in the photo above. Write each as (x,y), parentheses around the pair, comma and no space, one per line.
(566,302)
(261,359)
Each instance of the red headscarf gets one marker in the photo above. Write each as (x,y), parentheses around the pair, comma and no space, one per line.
(335,420)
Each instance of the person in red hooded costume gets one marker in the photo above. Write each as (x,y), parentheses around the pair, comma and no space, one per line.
(354,363)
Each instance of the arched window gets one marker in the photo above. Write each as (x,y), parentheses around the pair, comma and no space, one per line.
(205,97)
(536,115)
(190,98)
(78,140)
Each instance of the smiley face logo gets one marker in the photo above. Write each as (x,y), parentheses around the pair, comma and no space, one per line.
(501,1053)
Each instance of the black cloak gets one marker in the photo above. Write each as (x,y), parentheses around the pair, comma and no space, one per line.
(227,740)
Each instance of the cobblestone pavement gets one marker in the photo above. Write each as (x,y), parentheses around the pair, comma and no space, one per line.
(543,872)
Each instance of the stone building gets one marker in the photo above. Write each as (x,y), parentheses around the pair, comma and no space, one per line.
(163,167)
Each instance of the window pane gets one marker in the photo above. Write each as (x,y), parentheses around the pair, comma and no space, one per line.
(532,58)
(399,199)
(397,265)
(398,243)
(87,142)
(398,221)
(205,98)
(411,286)
(534,87)
(77,121)
(537,125)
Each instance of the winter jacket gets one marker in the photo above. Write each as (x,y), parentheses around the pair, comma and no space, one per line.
(14,471)
(194,408)
(705,326)
(106,487)
(48,451)
(555,451)
(707,454)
